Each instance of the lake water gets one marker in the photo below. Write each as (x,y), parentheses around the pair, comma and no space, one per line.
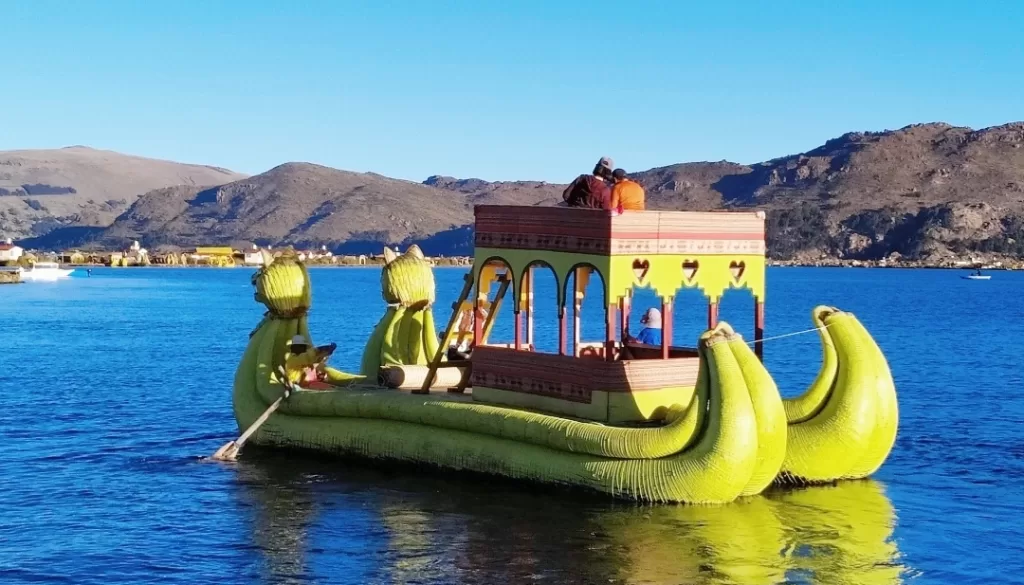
(113,387)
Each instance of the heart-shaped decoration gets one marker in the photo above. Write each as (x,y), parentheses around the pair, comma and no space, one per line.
(737,268)
(690,268)
(640,268)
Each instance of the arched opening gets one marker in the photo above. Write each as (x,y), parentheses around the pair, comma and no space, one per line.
(586,319)
(735,308)
(540,311)
(689,316)
(492,307)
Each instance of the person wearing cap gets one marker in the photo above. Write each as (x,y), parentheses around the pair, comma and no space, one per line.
(626,193)
(591,191)
(651,333)
(304,364)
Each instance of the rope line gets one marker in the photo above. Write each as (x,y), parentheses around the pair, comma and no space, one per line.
(784,335)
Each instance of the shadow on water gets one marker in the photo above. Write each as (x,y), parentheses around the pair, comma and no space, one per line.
(403,526)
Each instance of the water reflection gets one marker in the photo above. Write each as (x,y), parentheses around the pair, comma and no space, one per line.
(404,527)
(841,534)
(282,510)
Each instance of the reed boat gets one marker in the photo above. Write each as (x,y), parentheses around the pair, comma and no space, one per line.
(661,423)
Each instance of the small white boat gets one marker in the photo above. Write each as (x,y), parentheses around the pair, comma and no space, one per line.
(44,271)
(977,276)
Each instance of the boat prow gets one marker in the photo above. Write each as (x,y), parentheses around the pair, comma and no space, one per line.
(977,277)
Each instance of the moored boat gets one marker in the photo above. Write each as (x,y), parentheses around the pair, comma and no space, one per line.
(44,271)
(703,424)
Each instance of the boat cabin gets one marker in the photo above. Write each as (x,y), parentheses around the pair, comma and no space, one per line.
(604,380)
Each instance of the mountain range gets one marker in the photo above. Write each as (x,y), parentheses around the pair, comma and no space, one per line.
(926,191)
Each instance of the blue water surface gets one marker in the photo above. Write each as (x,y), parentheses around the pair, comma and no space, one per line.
(113,388)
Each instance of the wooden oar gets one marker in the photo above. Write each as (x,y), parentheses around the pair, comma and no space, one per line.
(229,451)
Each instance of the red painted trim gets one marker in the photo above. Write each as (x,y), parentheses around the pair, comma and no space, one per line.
(712,315)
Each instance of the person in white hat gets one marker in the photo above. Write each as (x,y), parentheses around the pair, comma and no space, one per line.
(651,333)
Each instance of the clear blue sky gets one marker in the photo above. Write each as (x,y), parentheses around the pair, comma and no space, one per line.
(498,90)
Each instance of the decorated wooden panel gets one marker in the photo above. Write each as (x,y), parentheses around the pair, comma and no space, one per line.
(643,375)
(575,379)
(557,376)
(589,231)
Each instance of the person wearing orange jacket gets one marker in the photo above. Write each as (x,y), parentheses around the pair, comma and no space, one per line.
(626,193)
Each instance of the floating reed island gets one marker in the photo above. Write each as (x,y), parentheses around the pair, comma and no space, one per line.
(10,277)
(664,423)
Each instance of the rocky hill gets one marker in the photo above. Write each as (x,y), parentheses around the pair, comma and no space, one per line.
(43,190)
(295,203)
(927,191)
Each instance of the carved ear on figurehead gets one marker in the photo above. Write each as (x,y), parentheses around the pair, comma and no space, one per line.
(414,250)
(389,255)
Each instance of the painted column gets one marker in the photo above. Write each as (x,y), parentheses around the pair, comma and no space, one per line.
(528,286)
(561,330)
(518,325)
(666,327)
(478,322)
(758,328)
(712,314)
(576,328)
(609,344)
(624,308)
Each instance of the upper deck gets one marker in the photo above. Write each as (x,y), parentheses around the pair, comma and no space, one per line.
(616,378)
(600,233)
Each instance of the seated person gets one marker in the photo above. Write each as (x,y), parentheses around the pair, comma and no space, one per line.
(651,333)
(626,193)
(591,190)
(464,329)
(305,365)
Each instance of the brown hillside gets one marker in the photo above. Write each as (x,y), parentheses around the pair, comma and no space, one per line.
(294,203)
(926,191)
(42,190)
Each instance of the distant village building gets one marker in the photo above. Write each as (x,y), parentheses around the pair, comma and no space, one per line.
(321,254)
(253,257)
(136,255)
(9,252)
(223,256)
(75,257)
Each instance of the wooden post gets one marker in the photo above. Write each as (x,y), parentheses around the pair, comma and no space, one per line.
(712,314)
(666,328)
(561,330)
(609,344)
(758,328)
